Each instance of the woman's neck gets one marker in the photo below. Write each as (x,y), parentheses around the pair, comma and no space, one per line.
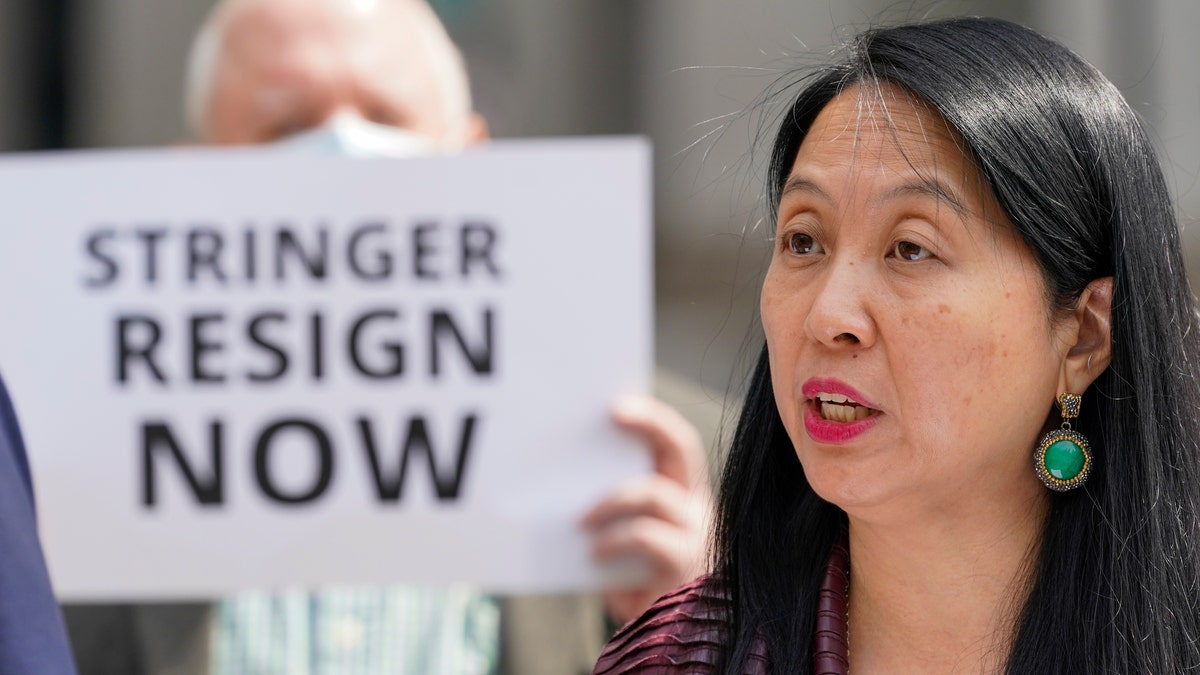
(940,593)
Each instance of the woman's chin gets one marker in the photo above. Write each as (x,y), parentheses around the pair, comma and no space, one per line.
(852,491)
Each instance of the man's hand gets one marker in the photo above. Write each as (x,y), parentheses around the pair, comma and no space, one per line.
(663,518)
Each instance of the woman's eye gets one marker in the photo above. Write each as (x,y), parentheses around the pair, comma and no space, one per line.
(802,244)
(906,250)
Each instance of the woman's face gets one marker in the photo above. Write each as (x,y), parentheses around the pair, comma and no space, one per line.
(913,355)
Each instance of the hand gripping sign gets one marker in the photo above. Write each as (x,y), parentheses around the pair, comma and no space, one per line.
(242,369)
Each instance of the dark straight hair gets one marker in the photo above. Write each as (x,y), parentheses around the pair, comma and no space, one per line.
(1115,579)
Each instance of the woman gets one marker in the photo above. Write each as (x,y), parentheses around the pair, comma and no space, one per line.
(970,223)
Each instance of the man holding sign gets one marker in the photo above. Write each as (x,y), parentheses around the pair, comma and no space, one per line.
(381,78)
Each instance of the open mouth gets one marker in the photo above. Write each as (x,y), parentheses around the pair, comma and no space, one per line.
(839,408)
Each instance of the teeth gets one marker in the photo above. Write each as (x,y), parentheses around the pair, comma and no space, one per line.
(834,398)
(838,412)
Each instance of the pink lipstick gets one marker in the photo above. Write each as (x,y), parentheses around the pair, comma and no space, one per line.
(835,412)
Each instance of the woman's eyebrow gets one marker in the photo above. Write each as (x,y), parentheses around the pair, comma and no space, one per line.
(802,184)
(927,187)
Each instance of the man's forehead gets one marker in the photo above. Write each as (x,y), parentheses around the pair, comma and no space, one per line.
(281,22)
(385,34)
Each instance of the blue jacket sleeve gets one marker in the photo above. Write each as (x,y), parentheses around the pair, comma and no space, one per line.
(32,637)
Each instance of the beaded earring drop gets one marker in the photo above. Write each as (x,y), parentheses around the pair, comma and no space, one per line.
(1063,459)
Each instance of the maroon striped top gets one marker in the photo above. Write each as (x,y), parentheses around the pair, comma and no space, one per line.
(684,632)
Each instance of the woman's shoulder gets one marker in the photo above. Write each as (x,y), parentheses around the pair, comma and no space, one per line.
(684,632)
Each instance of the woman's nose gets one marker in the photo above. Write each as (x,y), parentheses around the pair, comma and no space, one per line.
(840,316)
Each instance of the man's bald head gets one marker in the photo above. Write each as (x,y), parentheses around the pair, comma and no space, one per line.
(264,69)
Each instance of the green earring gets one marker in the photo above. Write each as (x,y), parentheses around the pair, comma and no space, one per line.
(1063,459)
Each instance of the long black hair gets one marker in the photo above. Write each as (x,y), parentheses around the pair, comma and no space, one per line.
(1114,586)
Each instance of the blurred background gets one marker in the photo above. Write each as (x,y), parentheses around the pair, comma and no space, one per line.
(685,73)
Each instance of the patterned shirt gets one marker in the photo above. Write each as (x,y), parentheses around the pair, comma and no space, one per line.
(367,631)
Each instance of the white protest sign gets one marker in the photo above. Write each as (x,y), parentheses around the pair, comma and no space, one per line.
(247,369)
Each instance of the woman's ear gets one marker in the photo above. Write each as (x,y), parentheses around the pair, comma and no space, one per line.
(1091,351)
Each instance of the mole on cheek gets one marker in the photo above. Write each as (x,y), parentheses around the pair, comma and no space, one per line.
(943,309)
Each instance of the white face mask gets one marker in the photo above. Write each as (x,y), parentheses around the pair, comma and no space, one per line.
(347,135)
